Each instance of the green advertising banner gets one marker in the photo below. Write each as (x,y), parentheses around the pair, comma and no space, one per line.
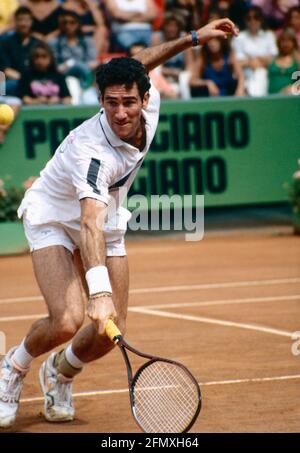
(233,150)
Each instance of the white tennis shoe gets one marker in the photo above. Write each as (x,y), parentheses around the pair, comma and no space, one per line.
(11,384)
(57,390)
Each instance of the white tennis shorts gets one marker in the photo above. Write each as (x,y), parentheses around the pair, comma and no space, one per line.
(68,235)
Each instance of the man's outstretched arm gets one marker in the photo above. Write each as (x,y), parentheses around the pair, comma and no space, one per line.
(156,55)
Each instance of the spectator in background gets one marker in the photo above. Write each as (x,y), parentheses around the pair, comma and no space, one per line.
(45,17)
(275,10)
(177,70)
(15,50)
(285,64)
(130,22)
(160,11)
(191,10)
(159,81)
(234,9)
(214,14)
(7,9)
(75,54)
(217,72)
(42,83)
(293,21)
(255,48)
(91,20)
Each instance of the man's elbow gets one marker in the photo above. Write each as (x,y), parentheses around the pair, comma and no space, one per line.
(92,224)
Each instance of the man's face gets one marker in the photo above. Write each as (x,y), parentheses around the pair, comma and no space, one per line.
(123,107)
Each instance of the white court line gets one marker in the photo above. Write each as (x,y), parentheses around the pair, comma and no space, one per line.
(209,303)
(219,322)
(178,305)
(163,289)
(16,300)
(202,384)
(22,318)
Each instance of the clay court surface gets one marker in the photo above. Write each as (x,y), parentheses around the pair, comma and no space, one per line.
(226,307)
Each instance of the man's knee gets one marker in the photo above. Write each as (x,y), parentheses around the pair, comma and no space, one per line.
(66,326)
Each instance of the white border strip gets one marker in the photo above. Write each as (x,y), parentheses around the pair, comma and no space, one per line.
(163,289)
(202,384)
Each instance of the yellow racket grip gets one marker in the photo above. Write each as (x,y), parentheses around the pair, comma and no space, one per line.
(112,331)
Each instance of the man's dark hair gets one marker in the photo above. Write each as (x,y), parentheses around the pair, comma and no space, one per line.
(123,71)
(23,10)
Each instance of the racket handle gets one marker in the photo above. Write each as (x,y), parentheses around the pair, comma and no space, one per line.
(112,331)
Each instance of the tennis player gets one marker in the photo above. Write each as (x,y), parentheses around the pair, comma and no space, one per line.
(75,227)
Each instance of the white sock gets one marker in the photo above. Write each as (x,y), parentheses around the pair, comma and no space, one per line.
(72,358)
(21,358)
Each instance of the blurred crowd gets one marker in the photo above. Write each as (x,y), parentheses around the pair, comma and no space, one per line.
(49,49)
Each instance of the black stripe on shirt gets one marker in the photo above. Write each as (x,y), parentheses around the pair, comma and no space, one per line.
(123,180)
(92,175)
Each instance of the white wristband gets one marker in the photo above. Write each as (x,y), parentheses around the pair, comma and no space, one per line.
(98,280)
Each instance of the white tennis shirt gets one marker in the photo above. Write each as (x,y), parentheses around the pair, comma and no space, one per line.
(91,162)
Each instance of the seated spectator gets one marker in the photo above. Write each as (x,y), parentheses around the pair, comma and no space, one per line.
(7,9)
(234,9)
(75,53)
(160,9)
(42,83)
(45,17)
(191,10)
(130,22)
(255,48)
(285,64)
(275,10)
(177,69)
(217,73)
(214,14)
(159,81)
(91,20)
(293,21)
(15,50)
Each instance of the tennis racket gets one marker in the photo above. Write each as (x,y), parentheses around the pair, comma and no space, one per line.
(164,395)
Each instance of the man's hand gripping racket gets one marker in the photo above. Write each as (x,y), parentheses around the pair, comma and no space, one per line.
(164,396)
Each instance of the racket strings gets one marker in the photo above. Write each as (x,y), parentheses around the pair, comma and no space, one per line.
(164,406)
(165,398)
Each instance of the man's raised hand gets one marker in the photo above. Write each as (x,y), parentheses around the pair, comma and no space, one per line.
(220,28)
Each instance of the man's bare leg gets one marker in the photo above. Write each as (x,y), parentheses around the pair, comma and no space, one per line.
(87,344)
(61,287)
(60,284)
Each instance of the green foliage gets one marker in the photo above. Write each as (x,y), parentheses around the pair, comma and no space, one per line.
(10,199)
(293,191)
